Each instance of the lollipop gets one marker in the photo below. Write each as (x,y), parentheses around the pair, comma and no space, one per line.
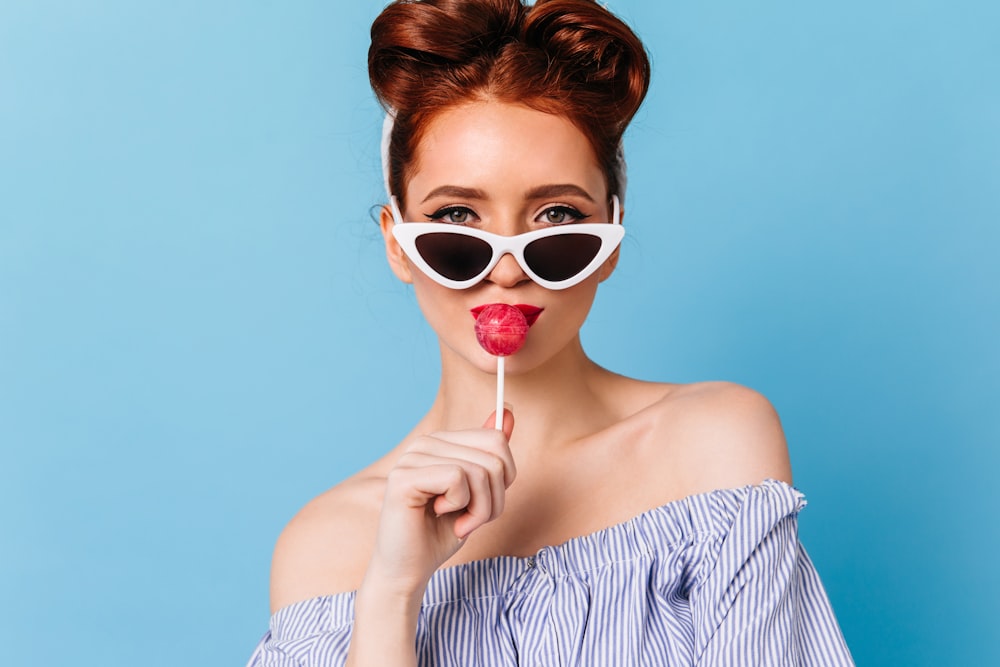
(501,330)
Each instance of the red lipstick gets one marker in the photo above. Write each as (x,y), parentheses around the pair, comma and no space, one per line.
(530,312)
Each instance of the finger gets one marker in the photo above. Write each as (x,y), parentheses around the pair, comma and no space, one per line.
(508,430)
(480,496)
(508,422)
(465,525)
(480,508)
(444,485)
(465,522)
(486,439)
(510,470)
(450,453)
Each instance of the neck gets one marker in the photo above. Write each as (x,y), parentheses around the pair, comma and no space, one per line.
(557,402)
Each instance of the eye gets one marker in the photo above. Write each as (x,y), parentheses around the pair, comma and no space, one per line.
(560,215)
(454,215)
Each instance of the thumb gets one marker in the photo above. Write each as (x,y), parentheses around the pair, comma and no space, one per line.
(508,422)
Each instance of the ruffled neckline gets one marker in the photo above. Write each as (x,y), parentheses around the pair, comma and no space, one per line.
(698,517)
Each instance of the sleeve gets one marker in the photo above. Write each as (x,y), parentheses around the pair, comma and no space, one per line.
(760,602)
(313,633)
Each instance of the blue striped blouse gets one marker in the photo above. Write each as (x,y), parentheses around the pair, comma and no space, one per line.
(719,578)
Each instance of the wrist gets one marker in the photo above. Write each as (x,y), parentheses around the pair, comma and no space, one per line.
(382,593)
(385,623)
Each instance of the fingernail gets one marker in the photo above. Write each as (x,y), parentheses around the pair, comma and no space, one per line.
(508,406)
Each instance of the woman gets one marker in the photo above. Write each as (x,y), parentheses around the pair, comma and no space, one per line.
(609,521)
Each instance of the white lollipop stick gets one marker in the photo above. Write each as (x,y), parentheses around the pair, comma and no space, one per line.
(499,419)
(501,330)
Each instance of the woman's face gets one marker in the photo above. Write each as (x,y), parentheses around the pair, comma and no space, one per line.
(506,169)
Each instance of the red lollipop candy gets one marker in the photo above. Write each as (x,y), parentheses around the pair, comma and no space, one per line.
(501,329)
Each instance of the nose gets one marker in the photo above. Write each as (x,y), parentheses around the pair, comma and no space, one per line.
(507,272)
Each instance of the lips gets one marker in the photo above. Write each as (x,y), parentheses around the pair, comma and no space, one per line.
(530,313)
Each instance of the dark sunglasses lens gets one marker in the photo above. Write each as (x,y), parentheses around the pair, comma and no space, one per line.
(454,256)
(561,257)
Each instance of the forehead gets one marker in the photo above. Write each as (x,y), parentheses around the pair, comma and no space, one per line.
(503,149)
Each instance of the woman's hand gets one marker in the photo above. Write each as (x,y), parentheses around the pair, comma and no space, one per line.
(444,487)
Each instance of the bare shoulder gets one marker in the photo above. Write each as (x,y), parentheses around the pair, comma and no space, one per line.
(325,548)
(721,435)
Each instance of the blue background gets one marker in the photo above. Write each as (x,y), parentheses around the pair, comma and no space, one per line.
(198,332)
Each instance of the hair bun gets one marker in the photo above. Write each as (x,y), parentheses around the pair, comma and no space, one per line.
(415,41)
(590,45)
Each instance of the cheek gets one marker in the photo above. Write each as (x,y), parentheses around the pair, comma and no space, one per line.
(429,296)
(565,312)
(443,308)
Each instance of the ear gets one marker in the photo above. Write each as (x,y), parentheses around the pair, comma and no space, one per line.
(608,267)
(398,262)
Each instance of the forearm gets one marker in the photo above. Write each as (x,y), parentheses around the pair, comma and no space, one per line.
(385,626)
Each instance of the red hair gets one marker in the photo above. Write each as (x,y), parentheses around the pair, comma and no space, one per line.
(571,58)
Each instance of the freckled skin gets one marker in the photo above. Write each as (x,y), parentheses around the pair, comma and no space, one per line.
(501,329)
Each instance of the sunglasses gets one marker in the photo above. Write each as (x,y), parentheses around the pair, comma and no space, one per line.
(555,257)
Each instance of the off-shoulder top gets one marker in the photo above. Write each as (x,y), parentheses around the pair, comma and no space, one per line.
(718,578)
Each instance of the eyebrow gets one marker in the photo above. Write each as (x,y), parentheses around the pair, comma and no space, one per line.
(540,192)
(558,190)
(455,191)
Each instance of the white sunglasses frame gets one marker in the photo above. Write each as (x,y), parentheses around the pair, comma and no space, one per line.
(611,234)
